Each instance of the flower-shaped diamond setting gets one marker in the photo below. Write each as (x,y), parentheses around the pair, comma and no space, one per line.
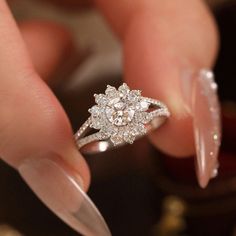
(120,114)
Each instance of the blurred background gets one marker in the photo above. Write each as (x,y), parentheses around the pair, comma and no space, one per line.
(139,191)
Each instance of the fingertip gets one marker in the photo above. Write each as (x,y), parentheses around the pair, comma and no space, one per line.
(62,190)
(175,137)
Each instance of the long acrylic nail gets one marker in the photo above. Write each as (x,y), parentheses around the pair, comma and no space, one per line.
(60,189)
(201,95)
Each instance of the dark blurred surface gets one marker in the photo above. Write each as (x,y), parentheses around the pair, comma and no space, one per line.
(140,191)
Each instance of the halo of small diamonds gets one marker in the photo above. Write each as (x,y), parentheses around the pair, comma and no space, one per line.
(120,114)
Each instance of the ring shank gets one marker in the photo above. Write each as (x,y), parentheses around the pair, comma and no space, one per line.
(96,146)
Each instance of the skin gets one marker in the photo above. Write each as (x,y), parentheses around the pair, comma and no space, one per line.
(173,37)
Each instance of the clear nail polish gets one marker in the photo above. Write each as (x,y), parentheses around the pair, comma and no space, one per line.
(200,93)
(60,189)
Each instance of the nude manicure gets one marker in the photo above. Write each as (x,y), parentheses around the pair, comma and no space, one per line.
(202,99)
(61,190)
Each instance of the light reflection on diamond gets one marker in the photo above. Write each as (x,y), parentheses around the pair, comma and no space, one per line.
(120,114)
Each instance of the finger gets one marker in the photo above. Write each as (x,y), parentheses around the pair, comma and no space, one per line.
(36,136)
(164,45)
(47,54)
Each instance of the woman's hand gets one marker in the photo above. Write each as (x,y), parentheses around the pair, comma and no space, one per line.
(165,44)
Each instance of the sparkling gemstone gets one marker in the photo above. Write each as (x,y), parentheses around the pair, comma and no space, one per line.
(119,105)
(133,130)
(113,101)
(124,89)
(117,139)
(141,129)
(110,129)
(95,110)
(100,99)
(134,95)
(96,123)
(144,105)
(110,90)
(128,137)
(102,135)
(120,114)
(143,117)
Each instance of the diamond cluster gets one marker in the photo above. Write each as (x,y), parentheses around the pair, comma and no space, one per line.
(120,114)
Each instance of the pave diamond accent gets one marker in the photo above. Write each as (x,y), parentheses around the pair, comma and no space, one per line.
(121,115)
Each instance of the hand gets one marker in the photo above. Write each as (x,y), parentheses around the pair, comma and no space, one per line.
(165,42)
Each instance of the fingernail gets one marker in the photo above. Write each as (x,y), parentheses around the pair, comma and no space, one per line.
(60,188)
(201,97)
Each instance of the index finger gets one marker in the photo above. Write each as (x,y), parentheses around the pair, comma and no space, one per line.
(36,137)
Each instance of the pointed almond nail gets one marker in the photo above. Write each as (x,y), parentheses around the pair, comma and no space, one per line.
(61,190)
(202,99)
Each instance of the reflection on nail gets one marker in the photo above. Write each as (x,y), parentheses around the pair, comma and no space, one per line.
(207,128)
(58,187)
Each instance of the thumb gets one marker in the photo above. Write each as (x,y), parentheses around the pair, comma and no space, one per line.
(165,44)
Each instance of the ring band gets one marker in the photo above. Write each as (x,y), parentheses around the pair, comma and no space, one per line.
(121,116)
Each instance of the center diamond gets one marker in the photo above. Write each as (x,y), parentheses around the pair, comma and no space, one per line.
(119,113)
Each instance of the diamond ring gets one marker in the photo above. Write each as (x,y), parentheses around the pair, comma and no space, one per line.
(121,116)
